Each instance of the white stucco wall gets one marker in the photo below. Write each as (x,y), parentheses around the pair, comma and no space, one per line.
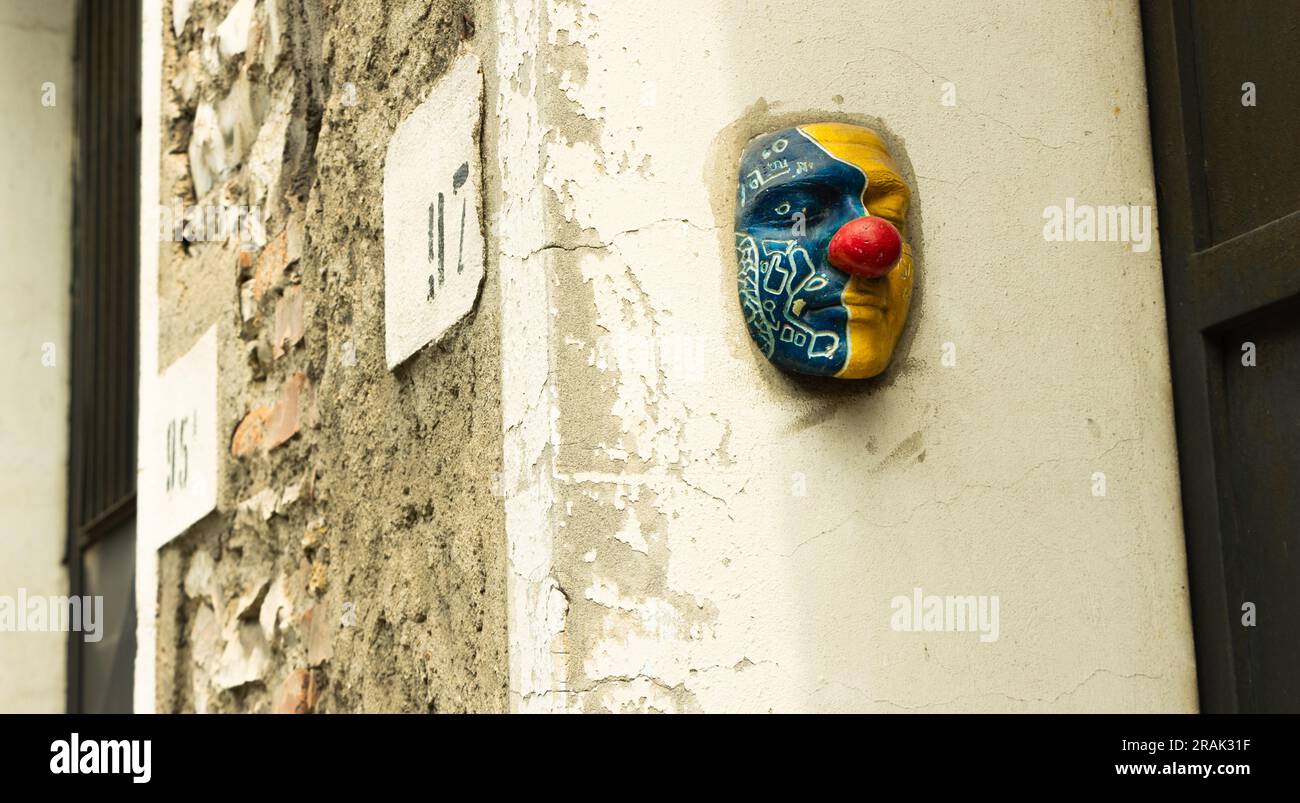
(36,160)
(698,532)
(148,517)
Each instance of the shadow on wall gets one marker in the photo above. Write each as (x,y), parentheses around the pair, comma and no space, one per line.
(820,400)
(828,545)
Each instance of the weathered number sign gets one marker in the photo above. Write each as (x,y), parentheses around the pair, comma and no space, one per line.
(433,243)
(184,485)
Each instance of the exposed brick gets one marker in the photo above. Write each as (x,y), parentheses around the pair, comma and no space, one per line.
(285,418)
(251,432)
(281,252)
(245,259)
(297,694)
(271,265)
(268,427)
(288,321)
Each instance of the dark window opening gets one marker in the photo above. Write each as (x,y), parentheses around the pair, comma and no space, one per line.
(102,457)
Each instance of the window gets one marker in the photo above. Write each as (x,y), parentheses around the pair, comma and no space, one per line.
(102,459)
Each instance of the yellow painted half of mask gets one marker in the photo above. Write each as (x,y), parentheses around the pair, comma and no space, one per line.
(872,333)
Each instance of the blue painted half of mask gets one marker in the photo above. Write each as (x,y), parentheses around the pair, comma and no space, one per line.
(792,197)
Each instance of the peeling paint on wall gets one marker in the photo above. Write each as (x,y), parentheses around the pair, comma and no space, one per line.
(690,529)
(594,494)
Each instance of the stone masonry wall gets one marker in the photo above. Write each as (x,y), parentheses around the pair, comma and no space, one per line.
(355,561)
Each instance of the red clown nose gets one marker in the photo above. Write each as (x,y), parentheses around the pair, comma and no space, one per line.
(866,246)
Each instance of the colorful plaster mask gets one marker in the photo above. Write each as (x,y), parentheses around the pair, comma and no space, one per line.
(815,306)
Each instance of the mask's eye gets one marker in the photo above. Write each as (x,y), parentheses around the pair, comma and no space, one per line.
(794,207)
(776,215)
(812,206)
(814,215)
(815,283)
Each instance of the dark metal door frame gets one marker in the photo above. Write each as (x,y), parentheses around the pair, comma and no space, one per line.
(1207,293)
